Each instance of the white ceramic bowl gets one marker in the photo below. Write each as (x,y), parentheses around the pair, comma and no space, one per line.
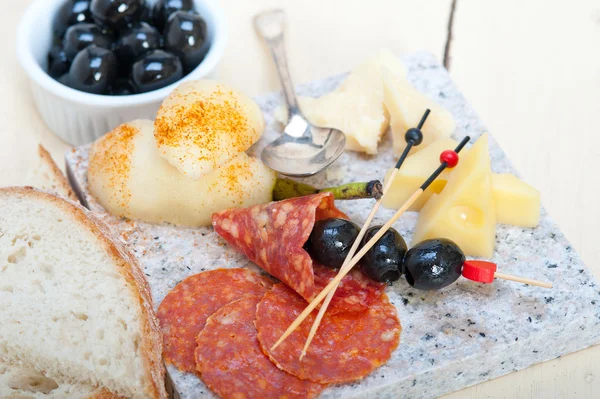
(79,117)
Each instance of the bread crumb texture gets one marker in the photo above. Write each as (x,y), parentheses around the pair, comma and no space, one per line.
(75,310)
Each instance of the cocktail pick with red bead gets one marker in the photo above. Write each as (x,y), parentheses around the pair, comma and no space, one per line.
(413,137)
(485,272)
(446,160)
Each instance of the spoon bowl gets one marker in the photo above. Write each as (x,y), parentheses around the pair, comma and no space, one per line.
(304,155)
(303,149)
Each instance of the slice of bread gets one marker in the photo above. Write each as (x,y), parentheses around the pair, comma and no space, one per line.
(46,176)
(74,304)
(20,382)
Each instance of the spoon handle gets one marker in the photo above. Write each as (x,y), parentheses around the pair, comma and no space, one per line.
(271,25)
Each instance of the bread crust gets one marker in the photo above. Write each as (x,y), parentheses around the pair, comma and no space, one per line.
(151,345)
(59,176)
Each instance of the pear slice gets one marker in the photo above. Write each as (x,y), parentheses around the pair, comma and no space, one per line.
(464,211)
(406,106)
(414,172)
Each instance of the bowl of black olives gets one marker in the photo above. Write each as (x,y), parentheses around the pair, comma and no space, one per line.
(95,64)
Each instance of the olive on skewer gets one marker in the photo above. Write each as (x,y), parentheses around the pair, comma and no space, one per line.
(330,241)
(433,264)
(429,265)
(383,262)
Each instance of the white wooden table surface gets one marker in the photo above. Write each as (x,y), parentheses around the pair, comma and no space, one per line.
(530,67)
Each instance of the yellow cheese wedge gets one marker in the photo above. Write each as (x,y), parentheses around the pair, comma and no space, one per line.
(356,106)
(414,171)
(516,202)
(360,117)
(464,211)
(406,106)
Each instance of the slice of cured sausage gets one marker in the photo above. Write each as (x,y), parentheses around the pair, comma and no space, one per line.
(355,293)
(273,235)
(347,347)
(231,363)
(184,310)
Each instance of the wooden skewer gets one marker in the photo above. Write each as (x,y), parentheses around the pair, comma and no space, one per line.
(483,271)
(523,280)
(342,273)
(409,144)
(359,237)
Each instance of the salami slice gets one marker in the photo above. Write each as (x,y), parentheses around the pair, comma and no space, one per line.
(346,348)
(355,294)
(272,236)
(184,310)
(232,364)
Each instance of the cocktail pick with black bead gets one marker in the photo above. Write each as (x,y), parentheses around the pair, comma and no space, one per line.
(448,159)
(413,137)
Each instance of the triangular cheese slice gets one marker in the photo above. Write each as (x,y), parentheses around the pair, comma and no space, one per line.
(361,117)
(406,106)
(414,172)
(356,106)
(464,211)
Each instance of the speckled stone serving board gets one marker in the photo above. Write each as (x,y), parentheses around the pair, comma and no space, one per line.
(451,339)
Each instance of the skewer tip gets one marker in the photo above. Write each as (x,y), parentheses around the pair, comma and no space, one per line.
(544,284)
(423,119)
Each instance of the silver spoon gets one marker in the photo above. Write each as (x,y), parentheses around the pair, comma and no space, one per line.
(303,149)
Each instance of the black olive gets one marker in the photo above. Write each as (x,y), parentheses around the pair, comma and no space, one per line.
(81,36)
(147,14)
(383,261)
(136,41)
(64,79)
(121,87)
(433,264)
(93,70)
(70,13)
(116,14)
(155,70)
(186,36)
(58,62)
(164,8)
(331,240)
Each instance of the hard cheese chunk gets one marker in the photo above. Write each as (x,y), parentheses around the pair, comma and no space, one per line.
(356,106)
(406,106)
(414,172)
(464,211)
(360,117)
(516,202)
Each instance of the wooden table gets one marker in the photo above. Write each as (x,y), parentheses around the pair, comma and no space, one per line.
(530,67)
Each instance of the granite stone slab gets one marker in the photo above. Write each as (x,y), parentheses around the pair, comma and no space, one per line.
(463,335)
